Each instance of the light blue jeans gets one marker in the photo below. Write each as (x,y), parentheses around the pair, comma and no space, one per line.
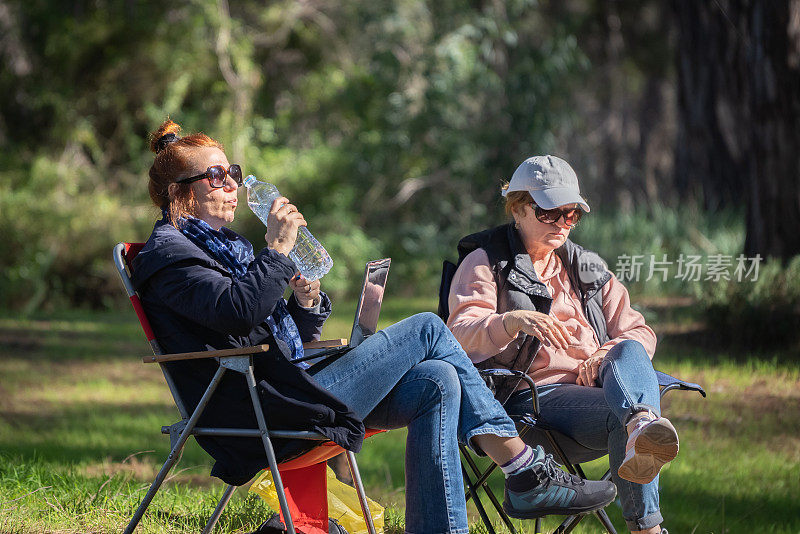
(414,374)
(595,418)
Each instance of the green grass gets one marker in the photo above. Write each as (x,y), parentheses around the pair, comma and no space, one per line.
(80,418)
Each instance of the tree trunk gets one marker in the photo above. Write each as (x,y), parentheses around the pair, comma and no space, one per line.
(773,210)
(739,104)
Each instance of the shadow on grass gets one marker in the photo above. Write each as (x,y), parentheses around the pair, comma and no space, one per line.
(688,507)
(64,337)
(87,431)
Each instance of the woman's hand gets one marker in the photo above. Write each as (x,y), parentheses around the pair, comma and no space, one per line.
(537,324)
(589,369)
(306,293)
(282,224)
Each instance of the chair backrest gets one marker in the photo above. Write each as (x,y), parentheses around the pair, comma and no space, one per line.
(448,271)
(123,258)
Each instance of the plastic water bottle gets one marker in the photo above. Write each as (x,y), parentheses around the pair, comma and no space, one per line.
(310,257)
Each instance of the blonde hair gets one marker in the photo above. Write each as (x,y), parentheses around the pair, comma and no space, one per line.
(516,200)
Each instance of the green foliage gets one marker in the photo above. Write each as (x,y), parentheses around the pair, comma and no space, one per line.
(56,231)
(656,233)
(391,124)
(762,313)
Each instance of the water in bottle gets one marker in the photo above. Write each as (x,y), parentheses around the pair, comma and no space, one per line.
(310,257)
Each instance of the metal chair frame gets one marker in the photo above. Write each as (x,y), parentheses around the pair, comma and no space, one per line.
(240,361)
(666,383)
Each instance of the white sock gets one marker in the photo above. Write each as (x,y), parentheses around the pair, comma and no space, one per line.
(520,461)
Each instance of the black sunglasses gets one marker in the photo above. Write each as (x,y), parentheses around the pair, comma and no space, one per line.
(571,215)
(216,175)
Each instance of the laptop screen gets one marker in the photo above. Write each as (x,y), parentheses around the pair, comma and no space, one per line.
(369,303)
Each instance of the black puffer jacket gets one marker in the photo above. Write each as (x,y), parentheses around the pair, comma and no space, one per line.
(193,303)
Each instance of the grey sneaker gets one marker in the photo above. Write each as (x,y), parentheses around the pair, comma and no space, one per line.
(545,489)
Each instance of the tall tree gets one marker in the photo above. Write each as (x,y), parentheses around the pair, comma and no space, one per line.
(739,100)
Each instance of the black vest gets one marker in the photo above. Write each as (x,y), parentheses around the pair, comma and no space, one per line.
(519,288)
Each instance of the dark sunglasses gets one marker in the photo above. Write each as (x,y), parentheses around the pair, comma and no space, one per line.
(216,175)
(571,215)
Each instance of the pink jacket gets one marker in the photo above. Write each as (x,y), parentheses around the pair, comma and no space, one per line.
(479,328)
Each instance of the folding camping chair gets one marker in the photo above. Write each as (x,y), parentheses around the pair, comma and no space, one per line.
(239,360)
(552,441)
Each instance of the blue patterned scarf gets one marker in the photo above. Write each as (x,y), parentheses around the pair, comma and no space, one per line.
(235,253)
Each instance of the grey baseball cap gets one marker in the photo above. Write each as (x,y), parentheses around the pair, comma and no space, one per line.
(550,181)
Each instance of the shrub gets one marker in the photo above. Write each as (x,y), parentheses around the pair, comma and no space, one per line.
(652,233)
(764,313)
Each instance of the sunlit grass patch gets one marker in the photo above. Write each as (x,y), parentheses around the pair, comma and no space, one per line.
(80,435)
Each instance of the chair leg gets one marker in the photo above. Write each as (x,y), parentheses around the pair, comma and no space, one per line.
(362,496)
(473,492)
(602,516)
(273,463)
(162,474)
(499,507)
(537,526)
(481,482)
(223,502)
(173,454)
(568,524)
(483,477)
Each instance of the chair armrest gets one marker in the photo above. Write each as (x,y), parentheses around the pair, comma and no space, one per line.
(240,351)
(521,376)
(508,372)
(325,344)
(223,353)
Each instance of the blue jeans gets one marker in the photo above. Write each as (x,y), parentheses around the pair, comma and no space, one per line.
(595,418)
(414,374)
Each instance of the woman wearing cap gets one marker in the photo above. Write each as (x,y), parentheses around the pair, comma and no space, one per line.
(203,286)
(527,298)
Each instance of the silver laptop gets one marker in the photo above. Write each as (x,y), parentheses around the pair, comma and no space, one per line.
(368,310)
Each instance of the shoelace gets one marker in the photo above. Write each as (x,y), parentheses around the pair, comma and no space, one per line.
(553,471)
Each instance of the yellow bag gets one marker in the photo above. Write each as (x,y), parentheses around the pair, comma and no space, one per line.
(343,504)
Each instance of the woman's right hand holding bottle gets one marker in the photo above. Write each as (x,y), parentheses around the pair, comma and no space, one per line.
(282,224)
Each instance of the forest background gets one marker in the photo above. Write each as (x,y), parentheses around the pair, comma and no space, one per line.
(393,124)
